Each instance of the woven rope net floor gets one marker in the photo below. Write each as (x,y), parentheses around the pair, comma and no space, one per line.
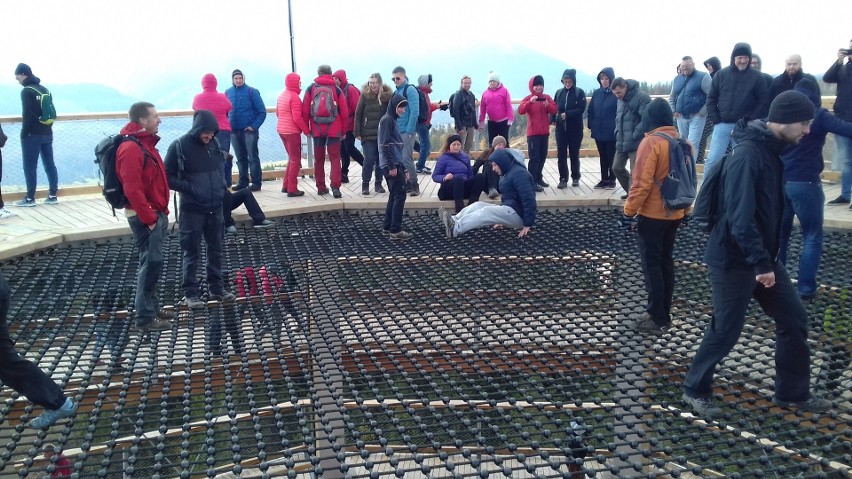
(347,355)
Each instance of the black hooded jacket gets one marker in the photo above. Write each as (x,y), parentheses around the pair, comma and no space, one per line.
(572,102)
(31,108)
(736,94)
(197,176)
(748,235)
(390,139)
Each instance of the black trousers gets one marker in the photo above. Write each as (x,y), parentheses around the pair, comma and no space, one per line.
(458,189)
(194,227)
(498,128)
(537,148)
(606,150)
(19,373)
(234,200)
(492,179)
(347,151)
(568,144)
(656,247)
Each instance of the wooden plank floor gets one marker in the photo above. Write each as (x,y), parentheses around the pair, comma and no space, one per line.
(89,216)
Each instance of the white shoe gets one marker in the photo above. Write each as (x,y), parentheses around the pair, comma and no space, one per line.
(4,213)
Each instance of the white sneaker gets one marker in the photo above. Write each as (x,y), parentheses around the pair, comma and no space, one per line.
(4,213)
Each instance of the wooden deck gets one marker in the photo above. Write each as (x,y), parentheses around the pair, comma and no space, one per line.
(88,216)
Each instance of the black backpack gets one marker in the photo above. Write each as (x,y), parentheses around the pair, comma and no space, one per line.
(105,156)
(452,110)
(678,189)
(708,205)
(423,113)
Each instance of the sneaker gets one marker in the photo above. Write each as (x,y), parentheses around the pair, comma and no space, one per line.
(344,178)
(562,184)
(193,303)
(265,224)
(224,297)
(575,183)
(610,185)
(424,171)
(255,187)
(48,417)
(385,232)
(704,407)
(814,404)
(401,236)
(380,188)
(166,314)
(415,190)
(544,184)
(448,221)
(295,194)
(538,188)
(644,324)
(155,325)
(4,213)
(335,192)
(50,200)
(231,230)
(623,197)
(840,200)
(238,187)
(493,193)
(25,203)
(601,184)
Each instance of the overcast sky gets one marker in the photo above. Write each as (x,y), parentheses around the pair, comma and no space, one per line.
(127,44)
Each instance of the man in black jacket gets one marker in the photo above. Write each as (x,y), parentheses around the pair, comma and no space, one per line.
(742,255)
(570,107)
(194,169)
(840,72)
(787,80)
(463,111)
(36,137)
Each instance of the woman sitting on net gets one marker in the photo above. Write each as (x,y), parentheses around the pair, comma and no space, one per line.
(454,173)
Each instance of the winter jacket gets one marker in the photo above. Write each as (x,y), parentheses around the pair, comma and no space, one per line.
(842,75)
(456,163)
(497,104)
(517,188)
(652,167)
(195,170)
(572,102)
(211,100)
(426,91)
(247,108)
(784,82)
(602,110)
(142,174)
(804,162)
(463,105)
(335,129)
(689,94)
(288,109)
(538,112)
(352,95)
(715,63)
(371,107)
(628,118)
(748,234)
(736,94)
(31,108)
(390,138)
(408,122)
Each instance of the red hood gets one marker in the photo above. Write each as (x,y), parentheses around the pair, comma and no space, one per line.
(341,75)
(324,80)
(292,81)
(530,84)
(209,82)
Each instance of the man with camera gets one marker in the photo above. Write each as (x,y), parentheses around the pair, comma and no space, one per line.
(841,73)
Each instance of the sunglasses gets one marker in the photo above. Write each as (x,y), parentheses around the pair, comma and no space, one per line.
(397,78)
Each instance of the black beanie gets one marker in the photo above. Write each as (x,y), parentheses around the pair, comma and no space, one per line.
(657,114)
(538,80)
(790,107)
(454,138)
(237,72)
(23,69)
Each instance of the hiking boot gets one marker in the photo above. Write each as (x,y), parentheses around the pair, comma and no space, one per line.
(448,221)
(538,188)
(840,200)
(644,324)
(401,236)
(562,184)
(166,315)
(25,203)
(265,224)
(322,191)
(51,200)
(155,325)
(231,230)
(493,193)
(365,189)
(575,183)
(344,178)
(543,184)
(335,192)
(4,213)
(193,302)
(224,297)
(415,190)
(380,188)
(704,407)
(49,417)
(814,404)
(294,194)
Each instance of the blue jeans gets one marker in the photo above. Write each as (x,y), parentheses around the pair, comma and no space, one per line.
(843,162)
(371,162)
(691,128)
(396,201)
(248,161)
(224,139)
(150,244)
(425,145)
(805,200)
(718,145)
(193,227)
(732,293)
(31,147)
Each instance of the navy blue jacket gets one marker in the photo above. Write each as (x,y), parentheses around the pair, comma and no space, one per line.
(517,188)
(389,137)
(199,181)
(602,110)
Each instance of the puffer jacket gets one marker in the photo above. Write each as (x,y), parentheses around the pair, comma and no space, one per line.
(736,94)
(517,187)
(538,112)
(628,118)
(371,107)
(456,163)
(602,110)
(497,104)
(652,167)
(288,109)
(247,108)
(211,100)
(199,178)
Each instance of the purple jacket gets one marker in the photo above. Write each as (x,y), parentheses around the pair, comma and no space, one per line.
(456,163)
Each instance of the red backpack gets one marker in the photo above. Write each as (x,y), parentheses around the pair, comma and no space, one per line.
(323,104)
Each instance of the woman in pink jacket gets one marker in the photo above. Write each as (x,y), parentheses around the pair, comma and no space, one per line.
(291,125)
(211,100)
(497,104)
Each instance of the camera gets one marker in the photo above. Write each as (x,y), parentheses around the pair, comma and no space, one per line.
(846,51)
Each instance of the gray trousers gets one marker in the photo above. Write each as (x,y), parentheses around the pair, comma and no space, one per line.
(482,214)
(619,168)
(407,159)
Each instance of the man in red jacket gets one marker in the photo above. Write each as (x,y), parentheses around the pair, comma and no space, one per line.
(325,109)
(143,177)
